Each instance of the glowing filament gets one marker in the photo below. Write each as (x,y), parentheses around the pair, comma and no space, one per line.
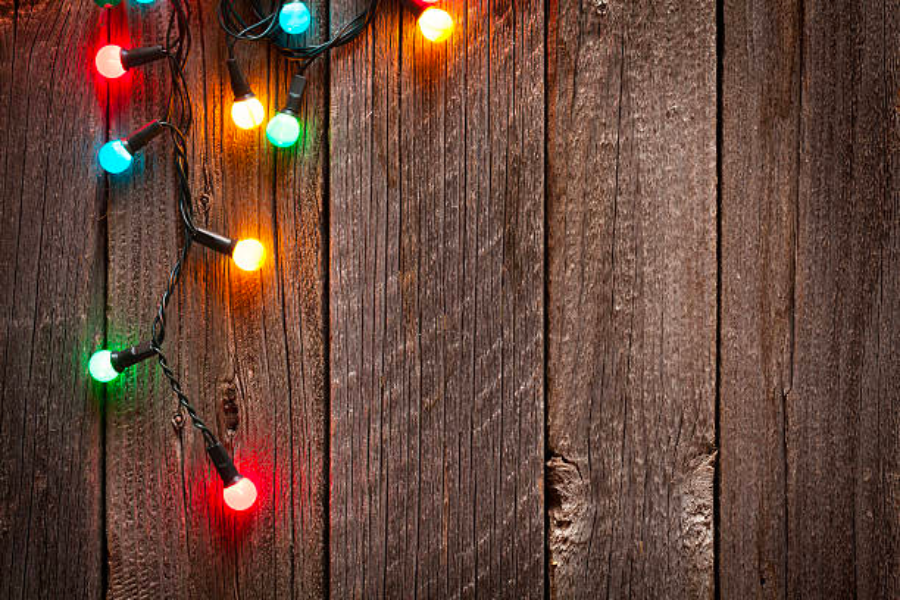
(109,62)
(435,24)
(248,113)
(100,366)
(249,254)
(241,495)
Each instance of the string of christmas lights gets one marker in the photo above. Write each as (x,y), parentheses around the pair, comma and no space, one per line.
(279,23)
(116,156)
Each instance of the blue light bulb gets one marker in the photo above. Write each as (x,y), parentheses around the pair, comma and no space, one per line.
(115,157)
(294,17)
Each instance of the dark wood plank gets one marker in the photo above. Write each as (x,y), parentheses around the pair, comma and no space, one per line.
(842,408)
(247,363)
(300,226)
(760,136)
(52,307)
(632,299)
(810,313)
(436,306)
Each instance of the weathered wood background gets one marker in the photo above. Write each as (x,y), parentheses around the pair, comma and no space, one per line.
(596,299)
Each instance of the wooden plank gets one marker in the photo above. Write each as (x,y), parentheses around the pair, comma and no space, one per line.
(300,228)
(760,137)
(247,365)
(436,306)
(53,277)
(830,236)
(842,410)
(632,299)
(811,320)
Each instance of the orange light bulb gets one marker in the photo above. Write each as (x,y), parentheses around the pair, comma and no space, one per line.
(249,254)
(241,495)
(435,24)
(248,113)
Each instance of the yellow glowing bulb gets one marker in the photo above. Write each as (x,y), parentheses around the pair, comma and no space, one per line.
(436,24)
(248,113)
(249,254)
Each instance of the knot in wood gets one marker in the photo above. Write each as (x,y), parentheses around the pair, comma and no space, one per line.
(178,421)
(230,407)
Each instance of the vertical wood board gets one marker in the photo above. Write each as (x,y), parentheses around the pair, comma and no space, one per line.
(632,299)
(52,228)
(436,306)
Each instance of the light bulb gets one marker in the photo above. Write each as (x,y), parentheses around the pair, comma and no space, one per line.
(105,365)
(100,366)
(115,157)
(240,495)
(145,1)
(435,24)
(283,130)
(106,3)
(109,62)
(248,113)
(249,254)
(294,17)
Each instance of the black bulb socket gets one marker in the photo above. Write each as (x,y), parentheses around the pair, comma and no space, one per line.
(136,57)
(224,465)
(239,84)
(142,136)
(295,95)
(122,359)
(214,241)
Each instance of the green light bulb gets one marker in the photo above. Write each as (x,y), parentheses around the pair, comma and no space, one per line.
(283,130)
(101,368)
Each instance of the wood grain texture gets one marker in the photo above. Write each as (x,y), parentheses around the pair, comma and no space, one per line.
(300,227)
(51,310)
(632,299)
(842,410)
(384,374)
(436,306)
(810,312)
(810,400)
(243,360)
(760,162)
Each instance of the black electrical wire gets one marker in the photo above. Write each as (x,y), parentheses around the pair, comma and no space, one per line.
(265,28)
(178,121)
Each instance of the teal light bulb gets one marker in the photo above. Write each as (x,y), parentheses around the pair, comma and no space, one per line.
(145,1)
(294,17)
(101,368)
(283,130)
(115,157)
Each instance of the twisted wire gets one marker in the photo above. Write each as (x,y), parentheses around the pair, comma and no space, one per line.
(265,28)
(178,121)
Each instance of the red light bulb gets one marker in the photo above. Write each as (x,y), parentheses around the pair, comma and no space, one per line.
(109,62)
(241,495)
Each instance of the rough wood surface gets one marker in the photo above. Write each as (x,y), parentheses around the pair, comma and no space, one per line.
(257,382)
(760,137)
(436,307)
(632,299)
(52,273)
(300,227)
(810,310)
(546,175)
